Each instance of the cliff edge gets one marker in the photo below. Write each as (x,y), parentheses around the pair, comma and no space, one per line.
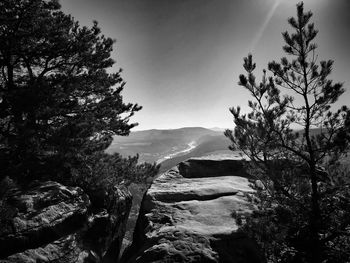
(187,215)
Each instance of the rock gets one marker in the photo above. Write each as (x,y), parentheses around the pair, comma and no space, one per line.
(44,213)
(108,228)
(203,167)
(51,222)
(186,217)
(66,249)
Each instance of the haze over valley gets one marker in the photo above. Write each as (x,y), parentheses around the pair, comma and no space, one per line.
(169,147)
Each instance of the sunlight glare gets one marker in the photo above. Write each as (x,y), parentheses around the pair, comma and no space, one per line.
(264,25)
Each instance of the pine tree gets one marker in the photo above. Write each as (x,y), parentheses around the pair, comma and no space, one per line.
(59,103)
(296,143)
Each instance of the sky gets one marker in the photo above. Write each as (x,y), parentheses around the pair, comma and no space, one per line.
(181,59)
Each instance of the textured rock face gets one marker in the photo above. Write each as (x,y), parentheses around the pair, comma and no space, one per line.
(203,167)
(53,223)
(189,218)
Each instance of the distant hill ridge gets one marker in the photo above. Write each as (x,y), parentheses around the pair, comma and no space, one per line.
(154,145)
(169,147)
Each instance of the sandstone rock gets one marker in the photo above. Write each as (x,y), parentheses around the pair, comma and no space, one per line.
(203,167)
(108,228)
(67,249)
(42,214)
(190,218)
(53,223)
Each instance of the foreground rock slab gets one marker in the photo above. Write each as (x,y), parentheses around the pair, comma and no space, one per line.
(50,222)
(186,217)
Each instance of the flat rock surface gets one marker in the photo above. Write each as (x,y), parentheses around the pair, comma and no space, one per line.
(192,219)
(168,187)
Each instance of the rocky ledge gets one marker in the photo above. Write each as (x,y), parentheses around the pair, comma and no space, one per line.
(187,215)
(50,222)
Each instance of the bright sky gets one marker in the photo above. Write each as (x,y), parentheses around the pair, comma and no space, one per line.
(182,58)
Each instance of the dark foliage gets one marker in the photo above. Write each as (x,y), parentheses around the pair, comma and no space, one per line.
(59,103)
(304,190)
(101,172)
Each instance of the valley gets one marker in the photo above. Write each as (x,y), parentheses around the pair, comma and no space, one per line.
(169,147)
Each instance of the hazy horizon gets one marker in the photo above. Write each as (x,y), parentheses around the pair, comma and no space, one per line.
(182,58)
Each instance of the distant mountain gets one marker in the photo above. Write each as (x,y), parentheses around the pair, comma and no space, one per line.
(217,129)
(170,147)
(162,145)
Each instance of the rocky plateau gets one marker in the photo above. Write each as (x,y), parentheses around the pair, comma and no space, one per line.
(187,215)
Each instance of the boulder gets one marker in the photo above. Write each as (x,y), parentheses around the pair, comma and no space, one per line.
(51,222)
(189,217)
(204,167)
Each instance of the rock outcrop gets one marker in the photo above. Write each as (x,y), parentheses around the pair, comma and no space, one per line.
(188,215)
(50,222)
